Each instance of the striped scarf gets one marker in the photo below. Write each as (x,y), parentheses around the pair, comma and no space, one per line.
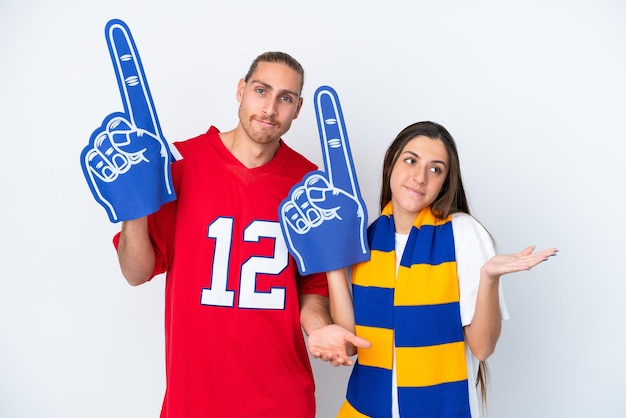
(419,312)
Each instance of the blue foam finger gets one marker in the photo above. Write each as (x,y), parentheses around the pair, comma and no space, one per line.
(127,161)
(332,234)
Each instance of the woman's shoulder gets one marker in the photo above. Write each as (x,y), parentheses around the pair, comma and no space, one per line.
(464,224)
(464,219)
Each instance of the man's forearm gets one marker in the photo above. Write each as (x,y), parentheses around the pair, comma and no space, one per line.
(135,252)
(314,312)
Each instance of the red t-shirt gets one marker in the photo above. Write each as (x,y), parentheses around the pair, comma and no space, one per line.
(234,345)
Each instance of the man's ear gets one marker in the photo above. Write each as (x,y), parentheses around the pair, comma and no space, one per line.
(240,87)
(300,101)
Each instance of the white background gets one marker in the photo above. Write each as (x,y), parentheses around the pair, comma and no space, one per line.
(534,93)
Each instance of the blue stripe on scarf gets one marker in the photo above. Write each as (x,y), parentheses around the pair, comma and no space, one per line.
(433,254)
(444,400)
(381,234)
(415,326)
(373,309)
(370,399)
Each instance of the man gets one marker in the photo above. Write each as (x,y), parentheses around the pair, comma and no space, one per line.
(234,302)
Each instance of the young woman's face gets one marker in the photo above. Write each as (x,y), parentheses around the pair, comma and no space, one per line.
(416,179)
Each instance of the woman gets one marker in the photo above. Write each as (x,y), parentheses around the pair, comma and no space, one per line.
(429,298)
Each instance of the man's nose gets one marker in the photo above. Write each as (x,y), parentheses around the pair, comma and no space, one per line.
(270,106)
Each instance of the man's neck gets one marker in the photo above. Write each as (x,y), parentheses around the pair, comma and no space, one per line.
(249,153)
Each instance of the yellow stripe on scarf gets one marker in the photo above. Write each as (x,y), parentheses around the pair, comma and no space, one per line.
(422,366)
(371,273)
(441,288)
(382,339)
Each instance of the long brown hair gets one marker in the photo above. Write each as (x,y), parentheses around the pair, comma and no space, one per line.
(451,198)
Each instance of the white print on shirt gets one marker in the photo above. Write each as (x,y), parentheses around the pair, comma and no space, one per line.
(217,295)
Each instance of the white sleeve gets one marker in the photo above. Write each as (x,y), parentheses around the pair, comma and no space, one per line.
(175,152)
(474,247)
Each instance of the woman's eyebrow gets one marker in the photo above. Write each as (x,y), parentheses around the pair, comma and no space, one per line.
(419,158)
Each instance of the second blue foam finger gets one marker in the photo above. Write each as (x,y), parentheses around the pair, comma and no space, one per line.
(130,77)
(334,141)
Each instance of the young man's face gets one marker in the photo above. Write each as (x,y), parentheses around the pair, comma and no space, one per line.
(269,101)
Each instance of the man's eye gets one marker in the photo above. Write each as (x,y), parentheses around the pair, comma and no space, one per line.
(260,90)
(286,99)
